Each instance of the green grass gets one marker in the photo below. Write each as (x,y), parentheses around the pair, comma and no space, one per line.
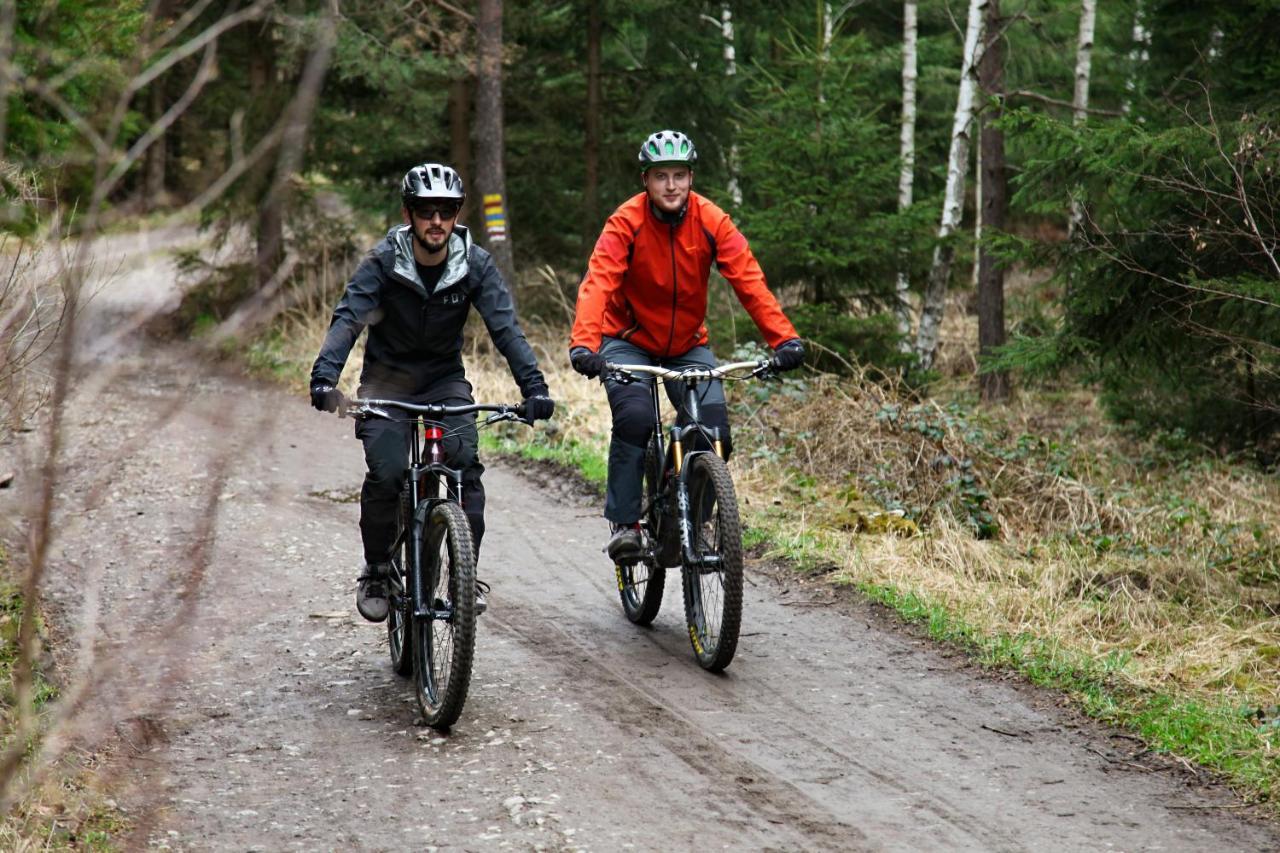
(577,456)
(70,813)
(11,605)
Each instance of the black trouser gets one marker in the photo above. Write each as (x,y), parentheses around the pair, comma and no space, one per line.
(386,453)
(632,409)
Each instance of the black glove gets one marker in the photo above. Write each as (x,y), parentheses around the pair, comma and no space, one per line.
(589,364)
(325,398)
(789,355)
(538,407)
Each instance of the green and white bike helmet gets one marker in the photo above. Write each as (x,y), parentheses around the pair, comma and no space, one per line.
(667,147)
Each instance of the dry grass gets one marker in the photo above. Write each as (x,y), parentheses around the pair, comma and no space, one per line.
(1105,543)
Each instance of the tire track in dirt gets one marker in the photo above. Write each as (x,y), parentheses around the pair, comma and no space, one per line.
(636,711)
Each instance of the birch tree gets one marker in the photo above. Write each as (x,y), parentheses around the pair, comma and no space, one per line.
(730,73)
(490,170)
(907,158)
(1080,98)
(1138,54)
(935,294)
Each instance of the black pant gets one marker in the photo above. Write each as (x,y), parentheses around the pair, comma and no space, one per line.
(632,409)
(386,453)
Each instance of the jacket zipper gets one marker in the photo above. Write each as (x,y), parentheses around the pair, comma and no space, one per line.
(671,335)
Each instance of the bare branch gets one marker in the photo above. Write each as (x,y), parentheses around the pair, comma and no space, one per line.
(1045,99)
(135,152)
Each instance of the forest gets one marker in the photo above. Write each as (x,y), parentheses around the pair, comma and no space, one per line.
(1033,247)
(1107,171)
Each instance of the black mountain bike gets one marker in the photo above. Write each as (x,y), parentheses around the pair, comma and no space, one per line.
(431,624)
(689,517)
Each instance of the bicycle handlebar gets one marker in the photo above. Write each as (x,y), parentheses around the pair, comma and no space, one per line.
(758,367)
(363,407)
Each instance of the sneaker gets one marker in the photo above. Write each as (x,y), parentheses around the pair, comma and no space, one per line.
(481,589)
(624,545)
(371,594)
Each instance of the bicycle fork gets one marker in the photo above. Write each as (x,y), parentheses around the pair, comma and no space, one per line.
(702,562)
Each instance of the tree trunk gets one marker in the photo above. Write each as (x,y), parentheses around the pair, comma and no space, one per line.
(460,139)
(993,205)
(1080,99)
(730,74)
(157,155)
(7,15)
(825,54)
(907,159)
(270,225)
(490,171)
(935,295)
(591,193)
(1138,54)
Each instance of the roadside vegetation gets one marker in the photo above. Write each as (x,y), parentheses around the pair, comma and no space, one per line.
(58,811)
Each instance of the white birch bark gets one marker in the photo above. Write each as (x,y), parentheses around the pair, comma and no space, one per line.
(1080,99)
(935,294)
(907,157)
(825,53)
(1138,54)
(730,72)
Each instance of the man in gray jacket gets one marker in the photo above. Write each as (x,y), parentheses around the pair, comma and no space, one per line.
(414,291)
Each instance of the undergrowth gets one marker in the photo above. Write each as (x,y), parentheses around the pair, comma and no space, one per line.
(66,810)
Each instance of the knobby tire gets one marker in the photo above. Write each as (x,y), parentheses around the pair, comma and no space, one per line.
(640,585)
(443,649)
(713,598)
(398,617)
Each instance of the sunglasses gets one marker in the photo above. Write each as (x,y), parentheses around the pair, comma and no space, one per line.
(447,210)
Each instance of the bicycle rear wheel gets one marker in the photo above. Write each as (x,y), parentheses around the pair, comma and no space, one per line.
(444,641)
(713,590)
(640,585)
(399,614)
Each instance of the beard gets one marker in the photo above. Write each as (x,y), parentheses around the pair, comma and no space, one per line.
(429,243)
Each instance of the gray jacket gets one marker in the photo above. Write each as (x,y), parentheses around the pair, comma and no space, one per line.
(415,337)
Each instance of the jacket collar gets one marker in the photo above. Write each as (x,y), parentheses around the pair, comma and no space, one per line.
(455,262)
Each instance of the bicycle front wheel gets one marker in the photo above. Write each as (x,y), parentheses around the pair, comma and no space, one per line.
(444,638)
(713,584)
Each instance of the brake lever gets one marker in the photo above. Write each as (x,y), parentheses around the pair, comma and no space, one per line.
(619,376)
(765,370)
(502,416)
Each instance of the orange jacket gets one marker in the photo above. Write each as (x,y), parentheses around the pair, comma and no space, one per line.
(646,281)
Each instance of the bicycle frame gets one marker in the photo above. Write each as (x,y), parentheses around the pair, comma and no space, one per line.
(675,462)
(424,478)
(424,486)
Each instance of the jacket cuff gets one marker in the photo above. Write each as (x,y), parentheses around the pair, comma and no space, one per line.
(538,390)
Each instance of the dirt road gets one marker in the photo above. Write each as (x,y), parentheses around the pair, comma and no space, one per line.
(208,548)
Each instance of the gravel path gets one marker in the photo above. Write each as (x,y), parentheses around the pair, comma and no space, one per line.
(204,570)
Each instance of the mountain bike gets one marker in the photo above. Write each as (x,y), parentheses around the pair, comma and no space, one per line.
(689,516)
(432,585)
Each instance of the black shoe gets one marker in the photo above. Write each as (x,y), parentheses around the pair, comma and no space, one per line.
(625,545)
(481,589)
(371,594)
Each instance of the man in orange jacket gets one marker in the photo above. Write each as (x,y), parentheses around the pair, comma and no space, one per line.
(644,301)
